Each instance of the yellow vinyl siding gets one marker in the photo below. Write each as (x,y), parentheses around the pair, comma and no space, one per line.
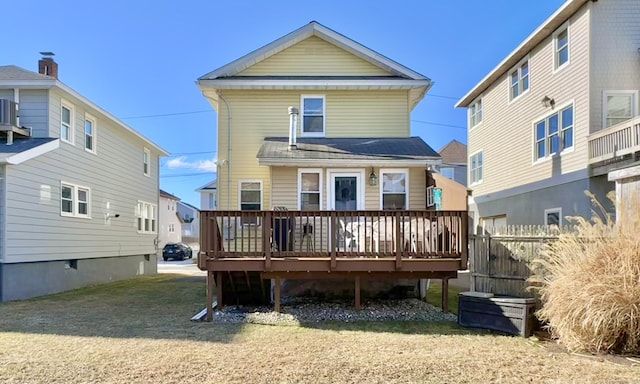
(314,56)
(506,135)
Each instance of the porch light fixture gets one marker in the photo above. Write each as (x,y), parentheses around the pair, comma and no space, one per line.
(373,179)
(548,102)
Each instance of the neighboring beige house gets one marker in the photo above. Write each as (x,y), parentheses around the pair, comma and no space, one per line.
(454,161)
(558,116)
(170,224)
(209,196)
(316,121)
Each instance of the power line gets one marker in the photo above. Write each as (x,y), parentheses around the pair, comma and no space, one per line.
(166,114)
(189,174)
(190,153)
(442,97)
(444,125)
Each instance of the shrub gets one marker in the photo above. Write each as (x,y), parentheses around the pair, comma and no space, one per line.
(589,282)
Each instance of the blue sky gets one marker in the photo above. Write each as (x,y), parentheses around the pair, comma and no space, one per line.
(139,59)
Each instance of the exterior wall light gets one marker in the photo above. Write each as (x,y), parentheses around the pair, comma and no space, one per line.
(548,102)
(373,179)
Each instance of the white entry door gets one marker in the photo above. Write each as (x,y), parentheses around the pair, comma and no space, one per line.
(346,192)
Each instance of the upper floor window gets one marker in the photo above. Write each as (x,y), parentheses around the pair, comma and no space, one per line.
(212,201)
(394,189)
(476,168)
(74,200)
(89,133)
(561,48)
(309,187)
(146,155)
(430,202)
(146,217)
(313,114)
(475,113)
(519,82)
(554,133)
(619,106)
(66,122)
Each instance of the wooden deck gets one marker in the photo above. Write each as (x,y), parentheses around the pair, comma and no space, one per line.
(361,245)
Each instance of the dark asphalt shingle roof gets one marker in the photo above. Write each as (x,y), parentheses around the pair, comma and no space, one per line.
(21,145)
(13,72)
(401,148)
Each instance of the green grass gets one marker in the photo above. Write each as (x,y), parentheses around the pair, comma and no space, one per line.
(434,296)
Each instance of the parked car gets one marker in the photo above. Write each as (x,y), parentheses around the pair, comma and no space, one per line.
(176,251)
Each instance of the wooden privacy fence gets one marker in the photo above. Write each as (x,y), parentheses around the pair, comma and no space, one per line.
(500,259)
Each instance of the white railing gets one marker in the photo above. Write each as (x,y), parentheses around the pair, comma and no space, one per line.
(618,140)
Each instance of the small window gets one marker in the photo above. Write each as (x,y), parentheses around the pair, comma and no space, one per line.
(554,134)
(448,172)
(553,216)
(250,199)
(430,202)
(619,106)
(66,122)
(313,115)
(476,168)
(146,155)
(89,133)
(394,189)
(74,200)
(146,217)
(561,47)
(212,201)
(172,228)
(475,113)
(519,80)
(309,187)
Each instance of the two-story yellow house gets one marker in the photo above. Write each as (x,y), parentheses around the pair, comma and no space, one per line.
(316,123)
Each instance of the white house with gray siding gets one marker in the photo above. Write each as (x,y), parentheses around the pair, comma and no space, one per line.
(558,116)
(209,196)
(78,189)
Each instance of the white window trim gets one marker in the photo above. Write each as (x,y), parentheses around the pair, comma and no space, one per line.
(554,41)
(148,153)
(405,171)
(430,202)
(470,117)
(321,186)
(240,192)
(70,107)
(324,116)
(138,214)
(634,103)
(75,201)
(94,124)
(471,182)
(553,210)
(556,110)
(518,68)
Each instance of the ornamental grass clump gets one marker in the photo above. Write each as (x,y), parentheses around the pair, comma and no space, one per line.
(589,282)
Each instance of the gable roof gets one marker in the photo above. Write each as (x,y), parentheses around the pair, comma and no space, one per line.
(14,76)
(25,149)
(536,37)
(379,152)
(454,153)
(400,77)
(210,185)
(187,205)
(168,195)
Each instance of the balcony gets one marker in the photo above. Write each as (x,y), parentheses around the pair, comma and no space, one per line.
(614,144)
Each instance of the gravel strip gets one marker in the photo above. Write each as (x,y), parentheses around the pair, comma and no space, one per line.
(304,310)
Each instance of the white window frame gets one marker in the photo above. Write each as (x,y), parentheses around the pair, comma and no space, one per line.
(317,171)
(75,200)
(556,52)
(473,179)
(430,202)
(519,83)
(404,171)
(240,191)
(93,121)
(634,104)
(172,228)
(475,114)
(146,162)
(560,133)
(70,126)
(142,211)
(557,210)
(324,116)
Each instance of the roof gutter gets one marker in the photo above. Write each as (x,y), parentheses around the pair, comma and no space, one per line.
(352,162)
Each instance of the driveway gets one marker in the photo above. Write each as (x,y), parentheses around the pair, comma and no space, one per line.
(185,267)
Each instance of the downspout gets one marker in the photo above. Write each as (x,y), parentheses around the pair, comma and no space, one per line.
(228,148)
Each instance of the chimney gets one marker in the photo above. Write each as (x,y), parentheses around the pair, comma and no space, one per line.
(293,125)
(47,66)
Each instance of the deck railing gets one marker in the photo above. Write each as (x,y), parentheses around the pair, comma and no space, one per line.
(336,234)
(618,140)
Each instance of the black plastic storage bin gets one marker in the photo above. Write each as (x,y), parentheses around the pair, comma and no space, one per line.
(499,313)
(281,233)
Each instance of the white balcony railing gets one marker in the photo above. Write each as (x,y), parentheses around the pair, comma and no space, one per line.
(618,140)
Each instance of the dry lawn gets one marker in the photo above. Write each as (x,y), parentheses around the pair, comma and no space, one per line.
(139,332)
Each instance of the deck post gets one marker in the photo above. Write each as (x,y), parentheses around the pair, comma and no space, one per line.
(276,304)
(399,242)
(445,295)
(334,238)
(357,293)
(219,289)
(209,295)
(266,240)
